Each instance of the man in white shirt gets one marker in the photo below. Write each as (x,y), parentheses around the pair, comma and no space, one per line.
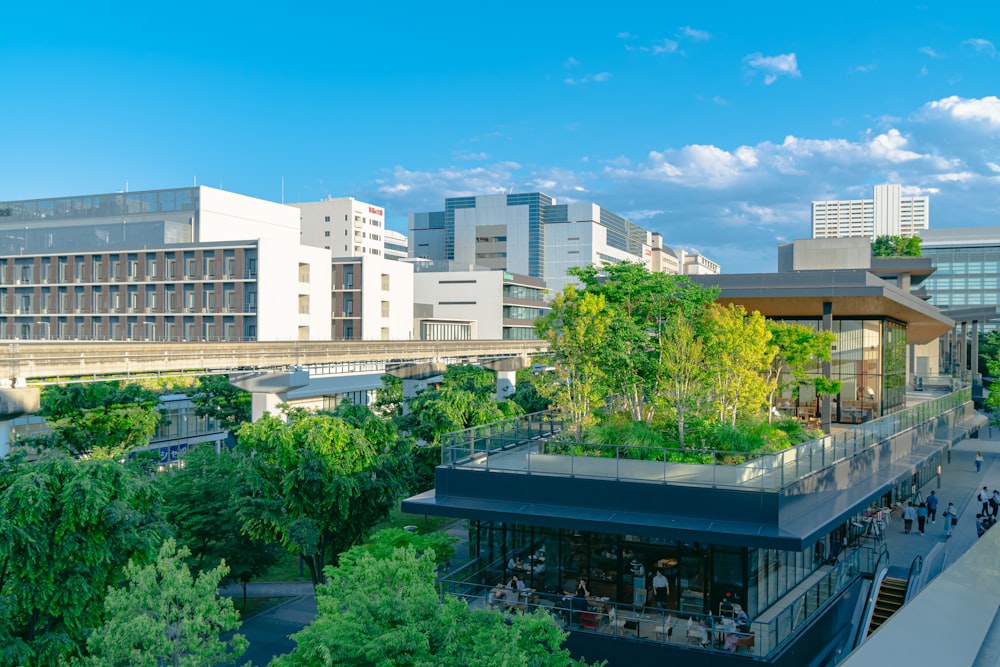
(661,589)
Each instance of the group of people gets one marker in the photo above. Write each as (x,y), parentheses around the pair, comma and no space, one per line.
(988,514)
(927,511)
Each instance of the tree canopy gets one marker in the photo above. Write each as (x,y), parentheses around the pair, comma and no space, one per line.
(201,499)
(68,527)
(386,611)
(896,246)
(100,419)
(165,616)
(214,396)
(316,485)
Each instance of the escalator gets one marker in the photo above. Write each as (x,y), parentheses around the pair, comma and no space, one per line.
(891,595)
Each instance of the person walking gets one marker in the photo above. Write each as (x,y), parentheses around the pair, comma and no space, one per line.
(979,461)
(995,503)
(909,514)
(921,517)
(950,517)
(661,589)
(984,498)
(932,505)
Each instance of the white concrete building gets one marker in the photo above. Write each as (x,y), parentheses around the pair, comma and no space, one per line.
(372,299)
(476,304)
(180,264)
(888,213)
(345,226)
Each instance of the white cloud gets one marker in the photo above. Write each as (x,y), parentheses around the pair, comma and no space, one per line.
(734,203)
(481,155)
(695,35)
(773,66)
(928,51)
(721,101)
(660,47)
(863,69)
(981,45)
(599,77)
(571,62)
(982,110)
(891,147)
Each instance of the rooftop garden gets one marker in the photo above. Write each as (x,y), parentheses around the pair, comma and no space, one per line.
(652,363)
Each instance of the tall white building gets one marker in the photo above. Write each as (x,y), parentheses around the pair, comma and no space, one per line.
(887,213)
(345,226)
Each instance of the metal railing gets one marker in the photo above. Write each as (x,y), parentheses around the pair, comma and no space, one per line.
(700,631)
(528,444)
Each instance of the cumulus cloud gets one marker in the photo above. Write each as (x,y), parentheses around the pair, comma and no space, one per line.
(773,66)
(694,35)
(734,203)
(928,51)
(981,45)
(985,110)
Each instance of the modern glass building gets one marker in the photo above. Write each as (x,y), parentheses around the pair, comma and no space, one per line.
(967,260)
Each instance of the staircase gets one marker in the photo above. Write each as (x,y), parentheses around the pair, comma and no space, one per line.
(891,595)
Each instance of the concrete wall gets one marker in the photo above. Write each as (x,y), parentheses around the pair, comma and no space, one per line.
(399,323)
(449,293)
(227,216)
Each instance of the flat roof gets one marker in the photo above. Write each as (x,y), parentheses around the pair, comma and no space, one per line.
(853,293)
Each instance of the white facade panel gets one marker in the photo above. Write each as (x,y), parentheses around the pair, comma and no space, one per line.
(475,296)
(227,216)
(386,299)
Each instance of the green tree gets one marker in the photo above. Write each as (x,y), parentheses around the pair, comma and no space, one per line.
(383,543)
(738,354)
(387,611)
(578,327)
(316,485)
(897,246)
(201,501)
(682,388)
(100,419)
(215,396)
(68,527)
(166,616)
(645,307)
(389,397)
(796,348)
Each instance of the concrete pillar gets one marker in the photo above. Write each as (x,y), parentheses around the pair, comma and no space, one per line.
(269,389)
(412,387)
(4,438)
(506,384)
(262,403)
(963,350)
(15,400)
(974,361)
(827,401)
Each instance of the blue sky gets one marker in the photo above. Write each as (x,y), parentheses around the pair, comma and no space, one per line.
(713,123)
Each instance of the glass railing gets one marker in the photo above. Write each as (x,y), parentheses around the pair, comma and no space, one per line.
(646,623)
(537,444)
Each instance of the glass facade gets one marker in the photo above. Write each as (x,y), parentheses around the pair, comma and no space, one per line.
(869,360)
(965,277)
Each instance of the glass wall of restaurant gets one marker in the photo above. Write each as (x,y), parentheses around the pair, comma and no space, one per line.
(869,360)
(622,567)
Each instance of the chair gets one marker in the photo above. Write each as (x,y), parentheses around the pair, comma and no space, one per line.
(664,631)
(696,635)
(616,624)
(747,642)
(588,620)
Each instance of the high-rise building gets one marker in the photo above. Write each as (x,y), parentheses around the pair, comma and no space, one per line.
(887,213)
(529,234)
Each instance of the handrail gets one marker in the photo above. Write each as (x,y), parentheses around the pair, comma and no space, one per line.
(482,445)
(915,567)
(869,612)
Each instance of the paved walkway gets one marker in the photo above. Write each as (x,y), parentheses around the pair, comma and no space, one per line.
(958,483)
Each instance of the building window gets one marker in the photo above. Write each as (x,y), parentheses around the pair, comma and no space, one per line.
(385,282)
(385,309)
(326,233)
(327,219)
